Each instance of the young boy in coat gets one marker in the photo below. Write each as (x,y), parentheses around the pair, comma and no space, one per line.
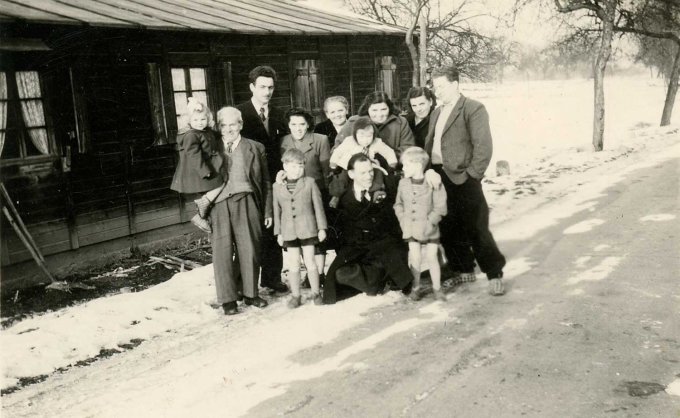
(419,209)
(299,223)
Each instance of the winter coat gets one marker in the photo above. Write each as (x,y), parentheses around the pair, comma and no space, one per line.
(300,214)
(253,128)
(419,129)
(466,140)
(317,155)
(419,209)
(199,160)
(258,173)
(327,128)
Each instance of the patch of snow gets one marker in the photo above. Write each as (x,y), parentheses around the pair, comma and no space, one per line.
(518,266)
(583,226)
(673,388)
(602,247)
(582,261)
(599,272)
(658,217)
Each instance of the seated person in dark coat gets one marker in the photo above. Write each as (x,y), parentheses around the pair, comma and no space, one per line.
(371,250)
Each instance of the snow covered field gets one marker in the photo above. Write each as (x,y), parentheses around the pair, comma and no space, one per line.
(541,128)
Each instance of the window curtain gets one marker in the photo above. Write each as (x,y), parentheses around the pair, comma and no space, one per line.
(28,84)
(3,109)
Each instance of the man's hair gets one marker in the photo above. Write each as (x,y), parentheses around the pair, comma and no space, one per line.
(261,71)
(450,72)
(415,155)
(415,92)
(375,98)
(339,99)
(293,155)
(357,158)
(298,111)
(363,122)
(227,112)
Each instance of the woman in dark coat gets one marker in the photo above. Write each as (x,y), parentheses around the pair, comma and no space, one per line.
(421,102)
(336,109)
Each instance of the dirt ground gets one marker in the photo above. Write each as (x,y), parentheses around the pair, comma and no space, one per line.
(102,281)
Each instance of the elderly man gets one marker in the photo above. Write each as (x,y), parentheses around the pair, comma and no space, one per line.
(264,123)
(372,245)
(244,205)
(460,146)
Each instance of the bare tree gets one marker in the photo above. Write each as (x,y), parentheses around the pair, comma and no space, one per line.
(658,19)
(605,12)
(449,38)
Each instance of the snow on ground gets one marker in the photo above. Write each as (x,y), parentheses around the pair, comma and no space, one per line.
(541,128)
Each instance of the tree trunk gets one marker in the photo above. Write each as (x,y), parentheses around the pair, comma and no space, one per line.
(423,48)
(413,52)
(672,90)
(600,67)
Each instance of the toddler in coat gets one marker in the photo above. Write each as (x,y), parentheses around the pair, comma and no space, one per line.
(199,160)
(299,223)
(419,209)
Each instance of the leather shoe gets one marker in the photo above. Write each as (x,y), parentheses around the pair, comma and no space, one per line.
(278,287)
(230,308)
(256,301)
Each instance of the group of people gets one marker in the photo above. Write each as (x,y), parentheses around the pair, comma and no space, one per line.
(378,188)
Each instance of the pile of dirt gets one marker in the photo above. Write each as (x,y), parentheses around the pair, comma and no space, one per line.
(133,274)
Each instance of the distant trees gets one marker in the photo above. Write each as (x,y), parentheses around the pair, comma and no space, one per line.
(658,19)
(450,38)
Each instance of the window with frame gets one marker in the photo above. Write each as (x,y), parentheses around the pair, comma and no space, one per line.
(188,82)
(24,130)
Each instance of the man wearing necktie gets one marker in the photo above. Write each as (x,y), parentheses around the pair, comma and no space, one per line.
(460,146)
(371,245)
(265,124)
(241,210)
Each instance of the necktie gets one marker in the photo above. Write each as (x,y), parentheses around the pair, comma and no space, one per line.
(365,196)
(262,115)
(229,147)
(365,151)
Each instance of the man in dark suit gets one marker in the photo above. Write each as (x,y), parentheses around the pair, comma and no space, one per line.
(265,124)
(460,146)
(372,248)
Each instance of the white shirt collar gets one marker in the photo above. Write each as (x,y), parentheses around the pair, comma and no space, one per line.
(259,105)
(234,143)
(357,192)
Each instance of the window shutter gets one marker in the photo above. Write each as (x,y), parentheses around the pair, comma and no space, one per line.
(226,84)
(160,129)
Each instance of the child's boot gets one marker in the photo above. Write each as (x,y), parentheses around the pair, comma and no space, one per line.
(439,295)
(294,302)
(415,294)
(316,297)
(203,205)
(201,223)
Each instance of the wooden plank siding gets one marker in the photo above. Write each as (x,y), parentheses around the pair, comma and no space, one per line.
(120,186)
